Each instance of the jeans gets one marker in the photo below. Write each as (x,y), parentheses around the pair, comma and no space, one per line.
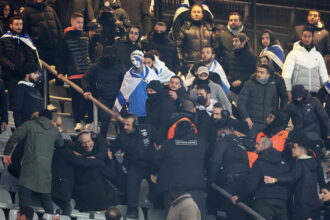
(26,199)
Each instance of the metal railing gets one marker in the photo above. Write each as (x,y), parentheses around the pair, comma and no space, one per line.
(96,103)
(279,18)
(241,205)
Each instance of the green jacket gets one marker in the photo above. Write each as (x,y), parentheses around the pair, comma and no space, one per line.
(40,138)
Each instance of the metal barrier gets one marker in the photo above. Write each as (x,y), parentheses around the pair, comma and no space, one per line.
(239,204)
(280,18)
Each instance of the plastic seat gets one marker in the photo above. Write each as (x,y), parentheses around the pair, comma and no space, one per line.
(156,214)
(210,217)
(2,214)
(123,209)
(5,197)
(13,214)
(50,217)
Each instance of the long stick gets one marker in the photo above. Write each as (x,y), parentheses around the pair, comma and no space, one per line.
(240,204)
(114,114)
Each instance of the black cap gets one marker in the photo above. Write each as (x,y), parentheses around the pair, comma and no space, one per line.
(155,85)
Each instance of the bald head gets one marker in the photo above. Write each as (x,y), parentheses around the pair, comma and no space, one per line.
(263,144)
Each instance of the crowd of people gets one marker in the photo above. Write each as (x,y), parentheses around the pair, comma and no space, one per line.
(198,108)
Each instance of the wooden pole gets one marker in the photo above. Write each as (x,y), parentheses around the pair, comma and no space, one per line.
(113,114)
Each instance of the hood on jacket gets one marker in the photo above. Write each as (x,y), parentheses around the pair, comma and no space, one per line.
(317,27)
(44,122)
(271,155)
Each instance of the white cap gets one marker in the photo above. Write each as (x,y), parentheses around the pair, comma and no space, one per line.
(202,69)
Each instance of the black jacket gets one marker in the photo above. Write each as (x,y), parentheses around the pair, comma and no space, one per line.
(181,161)
(139,13)
(123,50)
(42,24)
(269,163)
(230,158)
(256,101)
(281,89)
(162,106)
(63,175)
(92,191)
(306,200)
(307,117)
(105,77)
(166,47)
(137,153)
(192,38)
(65,9)
(28,101)
(73,53)
(241,65)
(14,54)
(3,104)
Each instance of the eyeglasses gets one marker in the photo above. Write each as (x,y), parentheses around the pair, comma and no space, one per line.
(133,32)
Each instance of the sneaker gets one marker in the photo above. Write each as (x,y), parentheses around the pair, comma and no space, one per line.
(79,127)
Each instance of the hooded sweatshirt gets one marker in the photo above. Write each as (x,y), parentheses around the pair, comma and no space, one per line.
(305,179)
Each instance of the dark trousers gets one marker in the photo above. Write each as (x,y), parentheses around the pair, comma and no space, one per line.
(271,209)
(105,117)
(11,86)
(65,206)
(80,105)
(199,197)
(134,177)
(26,199)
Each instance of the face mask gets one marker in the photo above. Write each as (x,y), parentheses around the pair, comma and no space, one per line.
(201,100)
(297,102)
(263,81)
(201,81)
(136,61)
(152,97)
(159,37)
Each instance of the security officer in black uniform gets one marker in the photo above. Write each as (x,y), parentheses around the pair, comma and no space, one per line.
(233,156)
(138,142)
(181,161)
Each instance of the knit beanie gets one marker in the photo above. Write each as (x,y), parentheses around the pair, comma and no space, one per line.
(155,85)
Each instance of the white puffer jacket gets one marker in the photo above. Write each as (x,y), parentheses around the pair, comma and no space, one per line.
(306,68)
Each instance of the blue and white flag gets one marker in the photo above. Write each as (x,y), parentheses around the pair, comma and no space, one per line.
(275,53)
(134,90)
(217,68)
(164,74)
(26,39)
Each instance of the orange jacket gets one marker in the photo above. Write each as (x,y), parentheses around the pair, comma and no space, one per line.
(278,139)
